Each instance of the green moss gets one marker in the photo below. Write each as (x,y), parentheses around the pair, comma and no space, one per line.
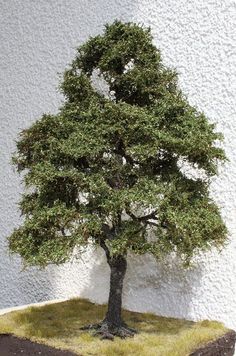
(59,325)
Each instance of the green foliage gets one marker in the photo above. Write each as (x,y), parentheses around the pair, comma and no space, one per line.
(107,168)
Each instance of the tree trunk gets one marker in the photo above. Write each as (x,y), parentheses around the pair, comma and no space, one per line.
(113,324)
(118,267)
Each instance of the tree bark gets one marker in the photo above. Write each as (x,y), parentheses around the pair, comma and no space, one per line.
(113,325)
(118,266)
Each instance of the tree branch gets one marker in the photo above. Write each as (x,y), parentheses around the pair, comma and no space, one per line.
(103,245)
(152,223)
(142,218)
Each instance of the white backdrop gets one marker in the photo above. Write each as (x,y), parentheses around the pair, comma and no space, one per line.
(38,39)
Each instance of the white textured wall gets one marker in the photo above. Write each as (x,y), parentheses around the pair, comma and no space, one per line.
(38,39)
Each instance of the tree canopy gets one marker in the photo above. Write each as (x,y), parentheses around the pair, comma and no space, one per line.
(107,168)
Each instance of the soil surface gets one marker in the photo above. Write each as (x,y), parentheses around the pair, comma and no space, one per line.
(223,346)
(11,345)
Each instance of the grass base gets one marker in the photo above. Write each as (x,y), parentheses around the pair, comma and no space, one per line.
(59,325)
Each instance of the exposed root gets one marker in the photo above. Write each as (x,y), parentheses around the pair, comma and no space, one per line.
(134,331)
(107,331)
(92,326)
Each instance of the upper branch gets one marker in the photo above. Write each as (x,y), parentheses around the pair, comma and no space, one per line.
(144,218)
(103,245)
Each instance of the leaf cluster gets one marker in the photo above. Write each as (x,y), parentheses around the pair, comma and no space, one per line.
(106,168)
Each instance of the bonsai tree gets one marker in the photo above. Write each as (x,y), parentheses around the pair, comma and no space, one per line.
(109,169)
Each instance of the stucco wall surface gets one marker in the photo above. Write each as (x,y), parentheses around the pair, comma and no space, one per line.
(198,38)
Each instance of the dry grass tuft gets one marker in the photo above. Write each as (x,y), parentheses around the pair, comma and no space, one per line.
(59,325)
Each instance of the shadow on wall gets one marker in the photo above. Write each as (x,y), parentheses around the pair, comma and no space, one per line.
(17,287)
(164,289)
(23,287)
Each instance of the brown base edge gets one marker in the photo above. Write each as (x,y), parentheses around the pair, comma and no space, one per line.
(11,345)
(223,346)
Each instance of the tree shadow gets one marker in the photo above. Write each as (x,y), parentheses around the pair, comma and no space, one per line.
(23,287)
(162,288)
